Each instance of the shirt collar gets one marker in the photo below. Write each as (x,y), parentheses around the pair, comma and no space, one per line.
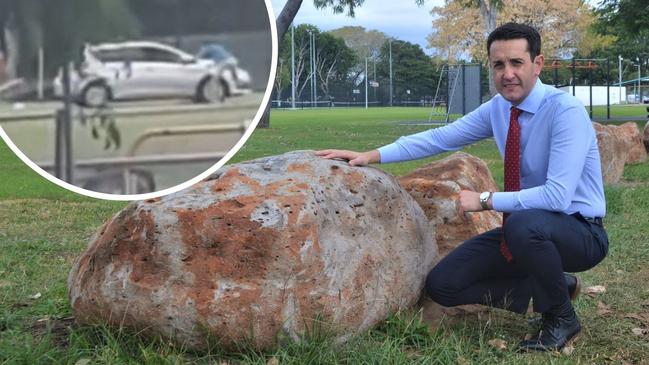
(533,100)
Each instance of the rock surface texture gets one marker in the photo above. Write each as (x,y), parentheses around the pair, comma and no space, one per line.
(630,133)
(436,188)
(645,137)
(257,253)
(613,151)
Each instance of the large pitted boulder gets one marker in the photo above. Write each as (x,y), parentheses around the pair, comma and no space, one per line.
(259,251)
(436,188)
(613,151)
(645,137)
(630,133)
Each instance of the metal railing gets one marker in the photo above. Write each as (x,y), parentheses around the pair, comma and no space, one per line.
(131,160)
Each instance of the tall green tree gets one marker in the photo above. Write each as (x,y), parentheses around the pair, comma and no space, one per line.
(290,9)
(364,43)
(285,18)
(302,58)
(412,70)
(628,22)
(333,61)
(631,16)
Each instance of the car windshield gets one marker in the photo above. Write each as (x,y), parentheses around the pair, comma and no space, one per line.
(214,52)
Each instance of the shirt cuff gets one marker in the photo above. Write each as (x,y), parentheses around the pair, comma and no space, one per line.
(504,201)
(390,153)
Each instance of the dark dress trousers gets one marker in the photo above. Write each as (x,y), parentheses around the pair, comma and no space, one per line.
(543,244)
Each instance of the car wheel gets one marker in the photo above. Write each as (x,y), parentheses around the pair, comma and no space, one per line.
(211,91)
(95,95)
(228,80)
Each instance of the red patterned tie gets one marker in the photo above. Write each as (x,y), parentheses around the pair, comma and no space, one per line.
(512,167)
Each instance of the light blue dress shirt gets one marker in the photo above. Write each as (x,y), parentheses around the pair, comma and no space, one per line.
(560,162)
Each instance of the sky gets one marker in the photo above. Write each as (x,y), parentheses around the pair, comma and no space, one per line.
(401,19)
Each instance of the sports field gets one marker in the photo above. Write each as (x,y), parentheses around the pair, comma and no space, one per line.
(43,228)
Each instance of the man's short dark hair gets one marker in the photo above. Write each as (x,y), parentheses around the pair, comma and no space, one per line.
(510,31)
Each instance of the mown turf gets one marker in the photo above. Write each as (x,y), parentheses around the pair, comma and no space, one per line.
(43,228)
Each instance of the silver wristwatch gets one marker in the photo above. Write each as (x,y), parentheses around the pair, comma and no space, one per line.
(484,197)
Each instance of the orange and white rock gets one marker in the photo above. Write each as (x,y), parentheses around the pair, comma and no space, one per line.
(436,187)
(613,152)
(261,250)
(630,133)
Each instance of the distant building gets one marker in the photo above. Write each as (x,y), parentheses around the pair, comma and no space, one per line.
(583,93)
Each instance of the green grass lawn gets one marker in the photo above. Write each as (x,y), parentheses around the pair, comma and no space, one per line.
(626,110)
(43,228)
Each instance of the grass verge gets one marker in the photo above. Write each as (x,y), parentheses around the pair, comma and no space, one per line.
(43,228)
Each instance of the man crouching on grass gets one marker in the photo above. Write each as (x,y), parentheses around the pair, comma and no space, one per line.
(553,201)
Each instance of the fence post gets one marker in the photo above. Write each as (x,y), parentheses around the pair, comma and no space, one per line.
(59,151)
(63,134)
(41,72)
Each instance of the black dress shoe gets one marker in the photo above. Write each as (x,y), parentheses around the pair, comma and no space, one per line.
(556,332)
(573,282)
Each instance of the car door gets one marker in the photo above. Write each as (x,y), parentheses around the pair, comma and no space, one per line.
(113,65)
(125,73)
(172,74)
(148,73)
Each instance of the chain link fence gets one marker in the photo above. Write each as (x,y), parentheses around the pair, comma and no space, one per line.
(441,90)
(357,94)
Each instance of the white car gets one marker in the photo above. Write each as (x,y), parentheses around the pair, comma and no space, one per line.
(635,99)
(144,70)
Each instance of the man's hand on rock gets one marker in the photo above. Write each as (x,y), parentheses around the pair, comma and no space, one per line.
(469,201)
(354,158)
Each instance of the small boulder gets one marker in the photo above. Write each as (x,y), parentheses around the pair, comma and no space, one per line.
(613,151)
(436,188)
(261,251)
(630,133)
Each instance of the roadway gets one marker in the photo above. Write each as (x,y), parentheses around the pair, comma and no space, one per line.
(35,135)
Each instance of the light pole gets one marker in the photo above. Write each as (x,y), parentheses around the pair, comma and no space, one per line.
(619,67)
(292,66)
(311,63)
(390,46)
(639,93)
(315,71)
(366,82)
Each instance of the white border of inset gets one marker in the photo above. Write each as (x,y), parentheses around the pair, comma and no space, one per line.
(188,183)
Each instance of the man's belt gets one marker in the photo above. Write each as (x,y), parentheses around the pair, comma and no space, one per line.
(596,220)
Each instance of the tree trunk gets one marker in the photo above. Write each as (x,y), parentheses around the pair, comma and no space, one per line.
(326,76)
(488,12)
(284,19)
(278,81)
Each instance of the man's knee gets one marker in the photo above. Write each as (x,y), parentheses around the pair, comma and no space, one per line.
(439,289)
(524,223)
(523,228)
